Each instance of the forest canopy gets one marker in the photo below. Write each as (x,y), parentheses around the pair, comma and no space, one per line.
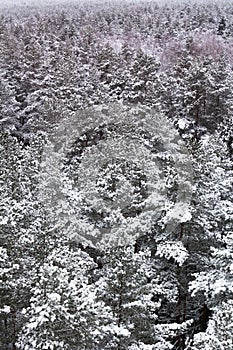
(116,175)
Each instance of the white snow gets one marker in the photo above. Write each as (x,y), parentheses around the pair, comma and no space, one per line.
(6,309)
(182,123)
(54,297)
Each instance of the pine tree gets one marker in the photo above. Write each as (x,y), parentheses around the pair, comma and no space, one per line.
(63,312)
(219,332)
(133,288)
(214,281)
(23,230)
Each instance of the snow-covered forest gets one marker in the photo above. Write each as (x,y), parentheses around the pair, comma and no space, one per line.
(116,175)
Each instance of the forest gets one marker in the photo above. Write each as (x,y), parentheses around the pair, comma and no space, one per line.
(116,175)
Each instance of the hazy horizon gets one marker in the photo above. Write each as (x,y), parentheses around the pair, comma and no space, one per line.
(13,3)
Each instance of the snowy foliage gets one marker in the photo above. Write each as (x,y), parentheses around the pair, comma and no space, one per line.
(119,162)
(219,334)
(116,175)
(62,306)
(175,250)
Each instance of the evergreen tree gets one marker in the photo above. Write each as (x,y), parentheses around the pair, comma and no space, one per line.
(63,312)
(133,288)
(24,228)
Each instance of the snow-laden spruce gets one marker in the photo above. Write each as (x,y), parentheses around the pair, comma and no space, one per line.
(110,171)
